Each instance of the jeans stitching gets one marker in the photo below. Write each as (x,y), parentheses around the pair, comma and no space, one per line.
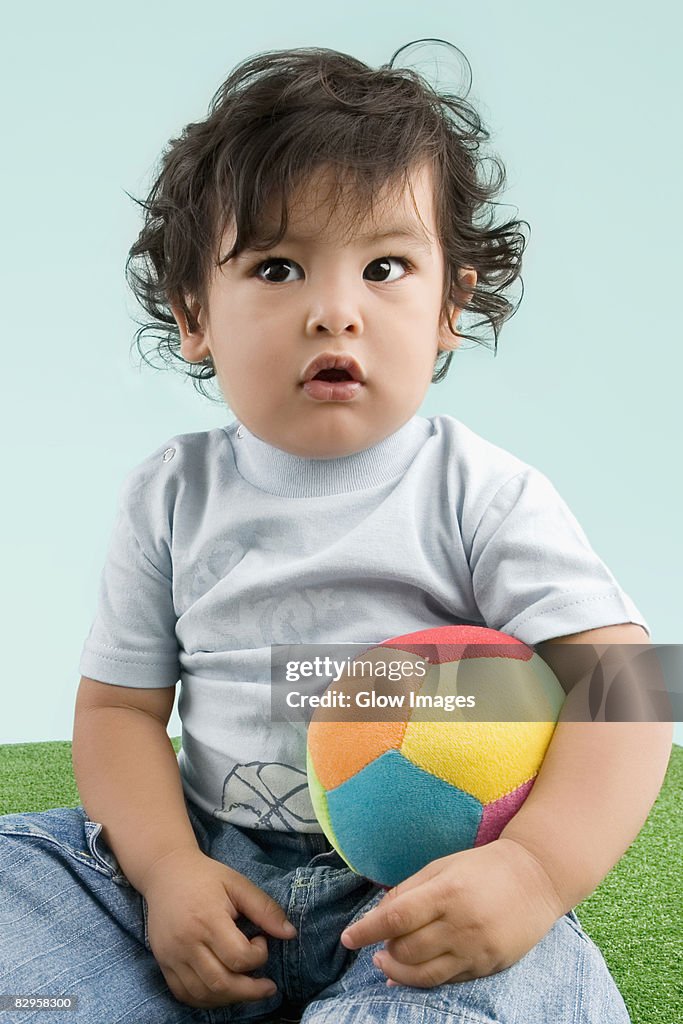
(580,985)
(576,926)
(92,834)
(80,855)
(382,1001)
(145,928)
(307,887)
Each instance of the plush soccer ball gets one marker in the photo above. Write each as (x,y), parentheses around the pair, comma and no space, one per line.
(463,734)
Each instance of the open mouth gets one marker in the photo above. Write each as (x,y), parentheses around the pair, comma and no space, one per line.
(333,375)
(333,384)
(334,368)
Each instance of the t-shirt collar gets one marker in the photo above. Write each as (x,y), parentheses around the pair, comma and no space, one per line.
(280,472)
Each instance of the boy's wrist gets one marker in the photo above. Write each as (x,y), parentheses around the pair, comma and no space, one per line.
(165,862)
(540,875)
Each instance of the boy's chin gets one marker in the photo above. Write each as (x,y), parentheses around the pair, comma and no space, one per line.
(341,442)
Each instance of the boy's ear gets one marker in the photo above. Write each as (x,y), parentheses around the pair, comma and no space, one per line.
(193,346)
(448,341)
(467,280)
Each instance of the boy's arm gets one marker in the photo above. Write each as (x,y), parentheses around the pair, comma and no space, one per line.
(127,774)
(478,911)
(597,782)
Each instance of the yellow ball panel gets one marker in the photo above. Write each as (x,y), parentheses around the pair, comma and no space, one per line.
(485,759)
(505,689)
(499,744)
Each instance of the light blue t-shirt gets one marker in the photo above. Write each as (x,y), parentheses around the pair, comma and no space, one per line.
(225,545)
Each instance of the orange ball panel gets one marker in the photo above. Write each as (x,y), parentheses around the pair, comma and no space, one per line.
(341,749)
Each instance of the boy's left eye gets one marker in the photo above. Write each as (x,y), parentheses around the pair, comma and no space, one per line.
(383,263)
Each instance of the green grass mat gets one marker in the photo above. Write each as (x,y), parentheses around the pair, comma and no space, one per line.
(634,915)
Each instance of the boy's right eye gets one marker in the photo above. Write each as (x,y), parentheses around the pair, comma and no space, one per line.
(272,261)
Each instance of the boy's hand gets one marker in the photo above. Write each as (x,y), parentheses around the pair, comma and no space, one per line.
(192,903)
(463,916)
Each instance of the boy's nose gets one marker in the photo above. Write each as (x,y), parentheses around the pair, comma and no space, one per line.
(335,323)
(322,327)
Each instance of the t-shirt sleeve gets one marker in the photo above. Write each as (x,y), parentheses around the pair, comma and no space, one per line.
(534,572)
(132,640)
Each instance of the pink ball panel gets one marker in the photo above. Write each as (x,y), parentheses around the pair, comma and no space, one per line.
(497,814)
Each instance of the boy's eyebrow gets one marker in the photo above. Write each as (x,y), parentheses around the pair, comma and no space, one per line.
(399,231)
(394,231)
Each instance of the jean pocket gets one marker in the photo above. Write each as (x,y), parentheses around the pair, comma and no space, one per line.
(102,855)
(574,922)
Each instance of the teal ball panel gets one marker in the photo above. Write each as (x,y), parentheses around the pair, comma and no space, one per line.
(409,818)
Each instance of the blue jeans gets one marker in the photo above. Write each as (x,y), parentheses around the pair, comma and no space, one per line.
(72,925)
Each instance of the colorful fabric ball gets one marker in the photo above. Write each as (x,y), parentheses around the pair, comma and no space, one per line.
(393,795)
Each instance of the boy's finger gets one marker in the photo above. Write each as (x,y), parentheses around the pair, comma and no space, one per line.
(208,980)
(235,951)
(260,908)
(210,961)
(438,971)
(398,913)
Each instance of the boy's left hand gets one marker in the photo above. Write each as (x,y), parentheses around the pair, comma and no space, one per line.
(462,916)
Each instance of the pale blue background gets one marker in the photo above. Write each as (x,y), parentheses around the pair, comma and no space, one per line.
(583,104)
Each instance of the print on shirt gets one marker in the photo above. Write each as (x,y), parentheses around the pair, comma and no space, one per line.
(274,794)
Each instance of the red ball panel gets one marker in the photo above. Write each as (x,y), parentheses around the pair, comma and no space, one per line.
(452,643)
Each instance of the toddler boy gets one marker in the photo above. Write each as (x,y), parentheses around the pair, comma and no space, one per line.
(328,511)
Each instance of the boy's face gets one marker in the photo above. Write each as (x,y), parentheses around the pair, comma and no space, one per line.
(270,314)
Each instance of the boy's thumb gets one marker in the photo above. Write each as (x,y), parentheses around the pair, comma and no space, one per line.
(262,909)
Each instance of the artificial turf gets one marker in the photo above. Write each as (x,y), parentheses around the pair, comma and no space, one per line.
(634,915)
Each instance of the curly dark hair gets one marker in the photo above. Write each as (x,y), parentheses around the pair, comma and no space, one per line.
(279,116)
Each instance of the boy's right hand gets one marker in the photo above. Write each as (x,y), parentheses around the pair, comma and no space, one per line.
(192,903)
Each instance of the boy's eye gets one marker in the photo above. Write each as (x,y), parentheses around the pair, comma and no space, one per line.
(281,265)
(384,266)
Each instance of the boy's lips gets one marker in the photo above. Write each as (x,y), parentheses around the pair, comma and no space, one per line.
(333,377)
(332,391)
(335,361)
